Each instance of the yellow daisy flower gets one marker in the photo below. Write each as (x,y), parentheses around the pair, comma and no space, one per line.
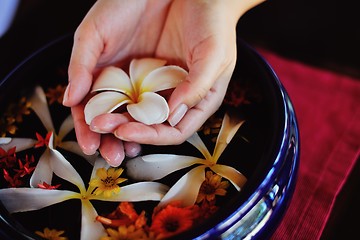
(107,181)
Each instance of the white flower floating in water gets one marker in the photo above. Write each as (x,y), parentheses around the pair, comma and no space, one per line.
(29,199)
(43,171)
(186,189)
(138,90)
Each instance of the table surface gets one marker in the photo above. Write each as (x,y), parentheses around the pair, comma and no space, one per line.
(39,21)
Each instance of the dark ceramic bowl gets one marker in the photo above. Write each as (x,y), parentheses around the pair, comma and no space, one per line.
(265,149)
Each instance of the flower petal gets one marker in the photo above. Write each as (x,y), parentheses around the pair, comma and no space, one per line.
(99,163)
(140,68)
(230,173)
(156,166)
(20,143)
(90,228)
(163,78)
(228,130)
(65,128)
(104,102)
(40,107)
(196,141)
(43,171)
(140,191)
(62,168)
(28,199)
(5,140)
(113,78)
(151,109)
(187,188)
(51,141)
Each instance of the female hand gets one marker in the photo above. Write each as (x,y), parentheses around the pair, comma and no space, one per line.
(195,34)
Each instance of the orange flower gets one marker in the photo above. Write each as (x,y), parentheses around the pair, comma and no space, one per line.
(56,94)
(172,220)
(126,233)
(125,223)
(124,214)
(51,234)
(206,210)
(211,187)
(212,127)
(15,112)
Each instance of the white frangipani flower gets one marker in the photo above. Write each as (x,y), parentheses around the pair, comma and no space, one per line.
(43,171)
(137,90)
(186,189)
(29,199)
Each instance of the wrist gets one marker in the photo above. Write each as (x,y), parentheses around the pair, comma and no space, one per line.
(245,5)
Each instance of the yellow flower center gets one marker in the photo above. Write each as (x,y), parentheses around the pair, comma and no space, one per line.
(108,181)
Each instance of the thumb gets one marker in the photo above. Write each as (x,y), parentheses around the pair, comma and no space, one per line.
(83,60)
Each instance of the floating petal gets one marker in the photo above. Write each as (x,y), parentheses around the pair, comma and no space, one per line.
(115,79)
(156,166)
(65,128)
(20,143)
(228,130)
(230,173)
(187,188)
(28,199)
(104,102)
(141,191)
(5,140)
(90,228)
(62,168)
(196,141)
(151,109)
(43,171)
(99,163)
(40,107)
(163,78)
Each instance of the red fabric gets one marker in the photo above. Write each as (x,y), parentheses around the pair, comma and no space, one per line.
(327,106)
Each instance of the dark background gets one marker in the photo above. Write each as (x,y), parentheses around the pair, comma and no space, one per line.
(322,33)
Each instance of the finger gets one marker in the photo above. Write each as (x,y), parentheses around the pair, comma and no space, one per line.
(88,140)
(164,134)
(159,134)
(87,48)
(112,150)
(107,123)
(132,149)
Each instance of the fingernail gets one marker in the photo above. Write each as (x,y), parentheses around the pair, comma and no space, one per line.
(66,94)
(118,135)
(178,114)
(114,160)
(96,129)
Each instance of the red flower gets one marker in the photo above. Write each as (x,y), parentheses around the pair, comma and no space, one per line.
(13,181)
(43,141)
(25,169)
(7,158)
(48,186)
(172,220)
